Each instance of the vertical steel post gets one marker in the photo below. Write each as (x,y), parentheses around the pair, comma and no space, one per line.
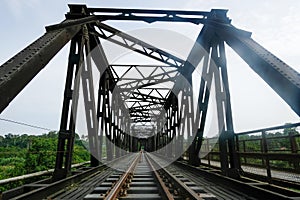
(169,133)
(106,110)
(294,149)
(226,138)
(100,116)
(67,125)
(86,78)
(266,156)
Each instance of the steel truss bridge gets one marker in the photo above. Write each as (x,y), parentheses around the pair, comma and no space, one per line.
(153,107)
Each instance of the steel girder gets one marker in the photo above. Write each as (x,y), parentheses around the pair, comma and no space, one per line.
(283,79)
(18,71)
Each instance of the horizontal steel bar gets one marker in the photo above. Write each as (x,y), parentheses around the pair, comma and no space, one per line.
(149,19)
(148,96)
(268,138)
(271,156)
(150,11)
(150,78)
(154,82)
(133,65)
(269,129)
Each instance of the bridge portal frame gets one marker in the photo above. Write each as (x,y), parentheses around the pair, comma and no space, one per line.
(79,27)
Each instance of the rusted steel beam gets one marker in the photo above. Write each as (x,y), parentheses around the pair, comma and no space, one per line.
(18,71)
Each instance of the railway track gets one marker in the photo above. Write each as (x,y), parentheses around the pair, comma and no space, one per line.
(141,180)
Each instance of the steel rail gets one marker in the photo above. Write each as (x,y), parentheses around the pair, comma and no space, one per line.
(160,181)
(185,190)
(114,192)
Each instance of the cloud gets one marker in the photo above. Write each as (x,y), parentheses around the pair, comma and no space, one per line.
(14,6)
(18,7)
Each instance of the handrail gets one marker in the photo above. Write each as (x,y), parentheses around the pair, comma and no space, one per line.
(270,128)
(264,150)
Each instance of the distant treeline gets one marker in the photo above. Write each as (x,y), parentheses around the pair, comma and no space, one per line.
(23,154)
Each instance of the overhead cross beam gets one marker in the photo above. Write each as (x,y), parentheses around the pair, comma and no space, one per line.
(118,37)
(160,76)
(149,16)
(148,97)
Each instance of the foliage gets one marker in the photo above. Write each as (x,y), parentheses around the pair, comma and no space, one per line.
(23,154)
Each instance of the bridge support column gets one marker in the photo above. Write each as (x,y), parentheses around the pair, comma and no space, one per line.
(228,156)
(67,126)
(107,116)
(168,133)
(86,78)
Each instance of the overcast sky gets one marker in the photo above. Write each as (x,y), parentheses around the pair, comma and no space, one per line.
(274,24)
